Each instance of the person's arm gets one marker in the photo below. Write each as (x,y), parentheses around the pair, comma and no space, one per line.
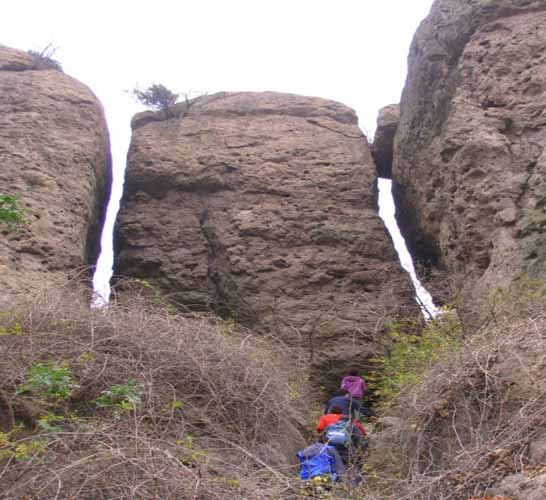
(321,425)
(360,428)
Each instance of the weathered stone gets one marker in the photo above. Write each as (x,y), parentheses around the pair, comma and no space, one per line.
(260,206)
(383,142)
(470,156)
(55,157)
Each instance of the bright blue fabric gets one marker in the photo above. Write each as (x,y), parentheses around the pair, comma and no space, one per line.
(317,465)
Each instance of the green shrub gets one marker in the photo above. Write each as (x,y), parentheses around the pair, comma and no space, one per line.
(11,213)
(411,353)
(156,96)
(121,396)
(50,380)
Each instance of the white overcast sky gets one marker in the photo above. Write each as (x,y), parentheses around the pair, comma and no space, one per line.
(352,51)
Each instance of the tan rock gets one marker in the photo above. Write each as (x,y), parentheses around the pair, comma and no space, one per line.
(383,143)
(470,156)
(260,206)
(55,156)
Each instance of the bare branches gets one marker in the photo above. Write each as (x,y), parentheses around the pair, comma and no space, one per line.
(214,402)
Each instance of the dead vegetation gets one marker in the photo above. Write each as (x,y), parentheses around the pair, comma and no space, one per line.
(44,59)
(472,419)
(135,402)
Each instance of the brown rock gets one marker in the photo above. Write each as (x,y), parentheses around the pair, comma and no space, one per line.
(470,158)
(383,142)
(55,156)
(521,487)
(260,206)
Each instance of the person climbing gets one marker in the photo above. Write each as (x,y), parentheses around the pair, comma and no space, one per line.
(355,384)
(343,399)
(347,435)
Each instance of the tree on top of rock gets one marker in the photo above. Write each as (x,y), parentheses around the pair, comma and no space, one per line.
(156,96)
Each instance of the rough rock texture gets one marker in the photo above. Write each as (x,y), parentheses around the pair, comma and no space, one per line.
(521,487)
(260,206)
(470,157)
(54,155)
(383,142)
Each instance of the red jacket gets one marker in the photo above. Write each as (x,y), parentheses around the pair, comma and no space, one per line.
(332,418)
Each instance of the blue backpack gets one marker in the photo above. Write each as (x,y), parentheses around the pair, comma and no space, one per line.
(320,464)
(339,434)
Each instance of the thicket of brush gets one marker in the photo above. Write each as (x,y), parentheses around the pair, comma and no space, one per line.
(132,401)
(470,419)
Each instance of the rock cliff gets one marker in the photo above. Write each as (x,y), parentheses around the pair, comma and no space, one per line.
(55,157)
(260,206)
(470,158)
(383,142)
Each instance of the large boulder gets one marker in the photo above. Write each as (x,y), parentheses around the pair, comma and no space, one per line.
(470,158)
(55,157)
(383,141)
(260,206)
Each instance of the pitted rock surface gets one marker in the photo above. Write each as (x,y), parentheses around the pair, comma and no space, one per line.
(55,156)
(470,156)
(383,142)
(260,206)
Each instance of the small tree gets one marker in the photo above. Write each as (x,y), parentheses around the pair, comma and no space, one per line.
(156,96)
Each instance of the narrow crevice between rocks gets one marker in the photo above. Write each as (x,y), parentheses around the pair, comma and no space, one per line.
(387,212)
(226,300)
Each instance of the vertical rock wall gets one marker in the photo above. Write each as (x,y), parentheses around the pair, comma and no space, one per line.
(470,158)
(55,157)
(260,206)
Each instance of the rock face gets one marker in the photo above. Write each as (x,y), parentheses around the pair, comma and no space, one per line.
(383,142)
(470,157)
(260,206)
(55,157)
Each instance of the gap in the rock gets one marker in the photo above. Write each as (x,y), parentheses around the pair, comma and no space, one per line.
(105,262)
(387,211)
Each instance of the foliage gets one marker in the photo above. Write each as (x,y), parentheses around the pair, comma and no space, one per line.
(11,326)
(11,447)
(122,396)
(11,213)
(50,380)
(412,352)
(43,59)
(47,422)
(156,96)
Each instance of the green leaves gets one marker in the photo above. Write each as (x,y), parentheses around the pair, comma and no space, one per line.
(49,380)
(11,213)
(411,353)
(124,397)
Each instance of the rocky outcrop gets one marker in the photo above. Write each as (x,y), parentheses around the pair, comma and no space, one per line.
(55,157)
(383,142)
(260,206)
(470,157)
